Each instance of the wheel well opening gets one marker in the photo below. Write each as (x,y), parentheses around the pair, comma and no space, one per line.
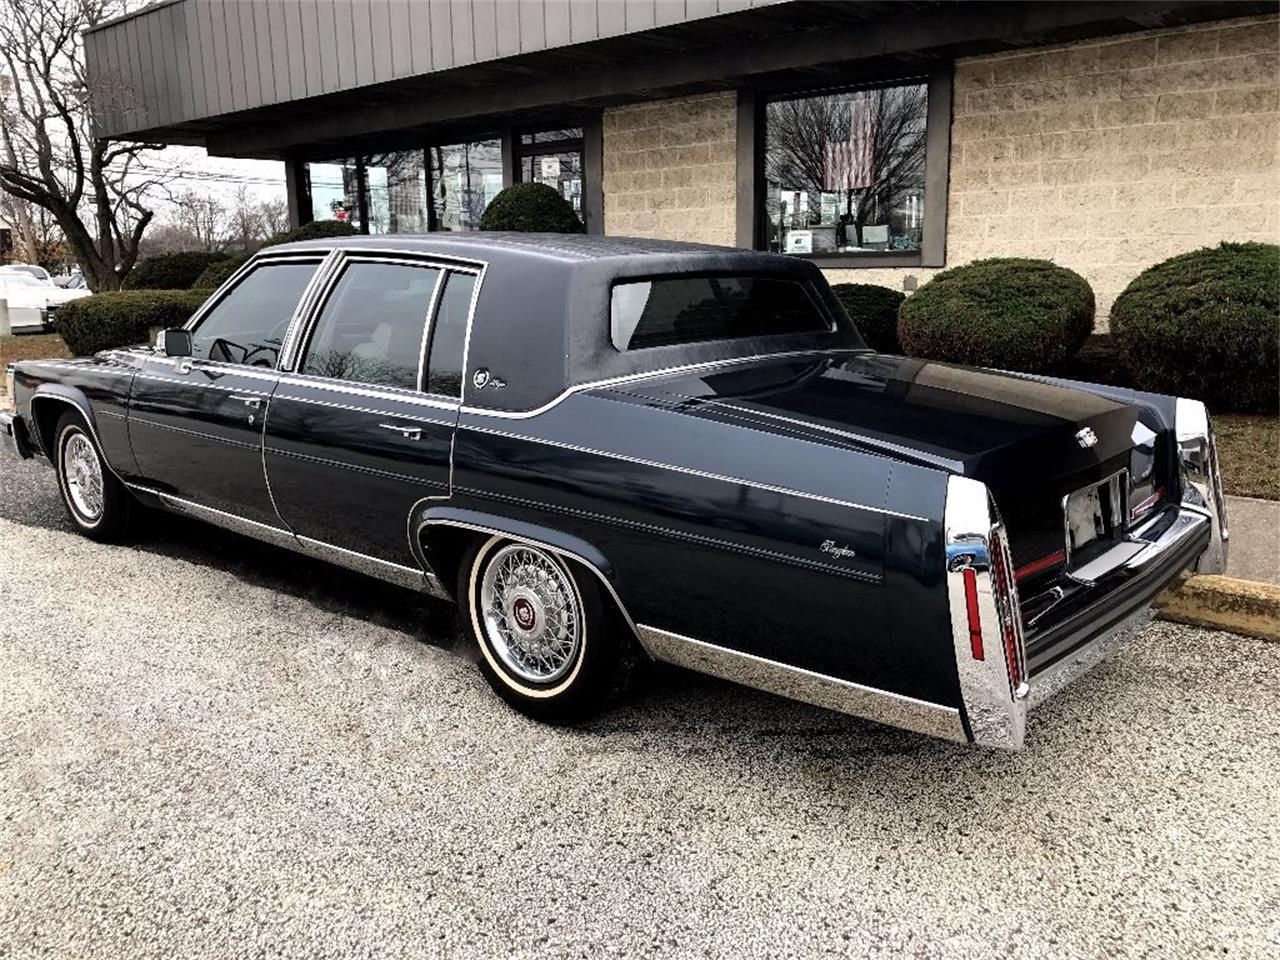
(443,548)
(46,411)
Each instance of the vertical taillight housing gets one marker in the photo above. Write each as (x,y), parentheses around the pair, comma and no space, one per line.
(986,620)
(1005,591)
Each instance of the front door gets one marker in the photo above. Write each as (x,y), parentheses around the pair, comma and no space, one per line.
(196,423)
(362,432)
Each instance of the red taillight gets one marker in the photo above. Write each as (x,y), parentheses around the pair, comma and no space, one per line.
(971,604)
(1039,566)
(1147,504)
(1006,592)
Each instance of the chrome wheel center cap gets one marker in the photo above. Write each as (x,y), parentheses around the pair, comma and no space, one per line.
(525,614)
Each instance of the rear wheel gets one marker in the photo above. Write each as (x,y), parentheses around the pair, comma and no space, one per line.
(543,629)
(96,501)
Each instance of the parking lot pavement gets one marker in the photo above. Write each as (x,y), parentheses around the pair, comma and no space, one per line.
(210,748)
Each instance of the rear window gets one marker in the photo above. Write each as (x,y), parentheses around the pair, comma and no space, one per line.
(662,312)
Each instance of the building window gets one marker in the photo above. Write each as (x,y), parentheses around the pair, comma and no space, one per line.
(553,157)
(396,185)
(463,178)
(844,173)
(335,190)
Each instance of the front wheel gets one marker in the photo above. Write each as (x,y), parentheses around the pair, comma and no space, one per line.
(96,501)
(543,629)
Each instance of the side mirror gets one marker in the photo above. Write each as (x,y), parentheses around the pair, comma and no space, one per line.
(174,343)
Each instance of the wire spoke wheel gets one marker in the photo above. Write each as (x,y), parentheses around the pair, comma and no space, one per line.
(531,614)
(83,472)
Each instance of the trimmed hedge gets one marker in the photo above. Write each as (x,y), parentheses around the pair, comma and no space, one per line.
(123,318)
(1008,313)
(315,230)
(874,311)
(531,208)
(171,271)
(1206,325)
(216,274)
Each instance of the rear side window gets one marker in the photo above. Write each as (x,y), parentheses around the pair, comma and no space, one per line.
(661,312)
(372,326)
(248,324)
(449,335)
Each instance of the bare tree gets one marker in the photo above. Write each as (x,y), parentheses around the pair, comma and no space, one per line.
(203,218)
(97,191)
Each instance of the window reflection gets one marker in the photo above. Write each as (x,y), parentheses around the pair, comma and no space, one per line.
(844,171)
(397,192)
(335,191)
(464,178)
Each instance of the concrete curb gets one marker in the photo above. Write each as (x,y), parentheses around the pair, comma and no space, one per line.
(1224,603)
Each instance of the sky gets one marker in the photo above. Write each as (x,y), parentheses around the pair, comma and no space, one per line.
(221,176)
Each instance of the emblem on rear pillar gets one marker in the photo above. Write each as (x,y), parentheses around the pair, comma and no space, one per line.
(1086,437)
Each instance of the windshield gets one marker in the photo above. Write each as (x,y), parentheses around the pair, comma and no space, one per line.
(691,309)
(20,280)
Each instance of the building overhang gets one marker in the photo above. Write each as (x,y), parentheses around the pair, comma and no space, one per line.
(170,73)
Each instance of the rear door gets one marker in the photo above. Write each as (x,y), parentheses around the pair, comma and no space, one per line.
(195,423)
(362,432)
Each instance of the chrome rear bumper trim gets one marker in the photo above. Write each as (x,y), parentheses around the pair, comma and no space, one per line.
(796,683)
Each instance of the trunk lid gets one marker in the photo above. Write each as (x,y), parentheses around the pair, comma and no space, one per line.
(1032,443)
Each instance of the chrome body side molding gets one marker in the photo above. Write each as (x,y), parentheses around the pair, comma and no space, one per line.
(422,581)
(796,683)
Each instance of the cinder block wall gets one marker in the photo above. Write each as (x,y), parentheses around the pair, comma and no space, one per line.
(1108,156)
(1105,156)
(669,169)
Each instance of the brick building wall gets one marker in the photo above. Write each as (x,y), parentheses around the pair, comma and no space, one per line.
(1105,156)
(670,169)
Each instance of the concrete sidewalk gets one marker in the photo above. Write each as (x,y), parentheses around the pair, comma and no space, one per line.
(1253,552)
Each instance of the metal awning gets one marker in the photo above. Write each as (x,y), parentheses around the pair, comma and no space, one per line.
(310,77)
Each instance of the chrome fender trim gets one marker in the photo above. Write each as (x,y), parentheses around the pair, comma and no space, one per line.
(1201,480)
(995,713)
(796,683)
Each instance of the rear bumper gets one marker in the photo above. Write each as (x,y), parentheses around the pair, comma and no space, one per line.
(14,441)
(1088,634)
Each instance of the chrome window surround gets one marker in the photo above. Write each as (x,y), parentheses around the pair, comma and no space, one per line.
(996,714)
(1200,479)
(321,257)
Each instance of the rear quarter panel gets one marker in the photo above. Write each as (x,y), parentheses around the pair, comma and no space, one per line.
(717,532)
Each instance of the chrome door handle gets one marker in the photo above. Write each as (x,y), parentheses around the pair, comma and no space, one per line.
(254,402)
(411,433)
(184,366)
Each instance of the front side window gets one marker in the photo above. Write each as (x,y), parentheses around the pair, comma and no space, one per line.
(464,178)
(372,325)
(844,172)
(248,325)
(658,313)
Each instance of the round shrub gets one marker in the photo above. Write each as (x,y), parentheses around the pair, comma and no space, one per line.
(123,318)
(1009,313)
(216,274)
(531,208)
(171,271)
(1206,325)
(315,230)
(874,311)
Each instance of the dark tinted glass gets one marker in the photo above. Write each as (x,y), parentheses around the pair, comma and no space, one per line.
(249,323)
(449,336)
(654,313)
(371,328)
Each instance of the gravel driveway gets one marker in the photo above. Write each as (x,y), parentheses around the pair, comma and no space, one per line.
(211,748)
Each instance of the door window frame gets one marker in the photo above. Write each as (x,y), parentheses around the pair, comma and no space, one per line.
(320,258)
(305,323)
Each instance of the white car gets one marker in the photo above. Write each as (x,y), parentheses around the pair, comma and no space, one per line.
(32,302)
